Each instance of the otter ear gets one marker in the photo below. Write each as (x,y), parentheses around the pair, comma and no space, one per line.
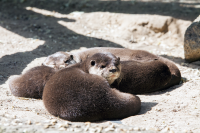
(118,58)
(92,62)
(71,56)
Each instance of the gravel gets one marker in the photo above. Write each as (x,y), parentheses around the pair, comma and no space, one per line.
(11,124)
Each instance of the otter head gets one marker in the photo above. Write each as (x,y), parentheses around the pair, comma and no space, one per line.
(59,60)
(106,65)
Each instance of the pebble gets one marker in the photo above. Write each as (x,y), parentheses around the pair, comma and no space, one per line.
(62,129)
(20,124)
(99,129)
(76,126)
(136,129)
(16,121)
(86,128)
(53,121)
(77,130)
(29,126)
(14,124)
(47,125)
(142,129)
(165,130)
(70,129)
(171,131)
(29,122)
(92,130)
(167,93)
(109,129)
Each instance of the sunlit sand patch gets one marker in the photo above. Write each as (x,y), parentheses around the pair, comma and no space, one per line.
(16,42)
(46,12)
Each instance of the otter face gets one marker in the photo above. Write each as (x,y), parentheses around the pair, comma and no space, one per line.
(59,60)
(106,65)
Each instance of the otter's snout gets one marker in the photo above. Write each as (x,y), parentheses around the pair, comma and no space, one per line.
(113,70)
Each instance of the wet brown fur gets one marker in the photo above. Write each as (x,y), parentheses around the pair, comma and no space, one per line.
(75,95)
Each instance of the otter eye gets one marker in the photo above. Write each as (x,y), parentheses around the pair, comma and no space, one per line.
(71,56)
(103,66)
(92,63)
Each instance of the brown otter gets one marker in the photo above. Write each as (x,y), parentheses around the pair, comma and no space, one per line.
(75,95)
(138,77)
(31,84)
(134,55)
(59,60)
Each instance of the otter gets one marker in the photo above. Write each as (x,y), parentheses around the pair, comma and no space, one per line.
(139,77)
(130,55)
(81,92)
(31,83)
(59,60)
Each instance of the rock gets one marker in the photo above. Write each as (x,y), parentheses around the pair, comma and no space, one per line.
(191,41)
(161,24)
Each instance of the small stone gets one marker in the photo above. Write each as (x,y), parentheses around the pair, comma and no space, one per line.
(86,128)
(171,131)
(62,129)
(16,121)
(136,129)
(87,123)
(109,129)
(112,126)
(142,129)
(70,129)
(14,116)
(54,121)
(25,131)
(38,123)
(78,130)
(185,131)
(152,128)
(76,126)
(165,130)
(167,93)
(119,130)
(20,124)
(65,125)
(47,126)
(29,122)
(99,129)
(131,129)
(14,124)
(92,130)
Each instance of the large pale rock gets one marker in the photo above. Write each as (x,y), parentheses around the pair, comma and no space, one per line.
(192,41)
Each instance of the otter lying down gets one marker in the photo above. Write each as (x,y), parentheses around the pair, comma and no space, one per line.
(85,91)
(136,67)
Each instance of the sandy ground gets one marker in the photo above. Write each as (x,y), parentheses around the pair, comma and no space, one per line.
(32,30)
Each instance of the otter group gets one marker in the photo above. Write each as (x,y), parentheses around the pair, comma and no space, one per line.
(97,83)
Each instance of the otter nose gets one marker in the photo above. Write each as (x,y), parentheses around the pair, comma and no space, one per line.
(113,70)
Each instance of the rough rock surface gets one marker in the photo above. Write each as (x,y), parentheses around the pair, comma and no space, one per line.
(192,41)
